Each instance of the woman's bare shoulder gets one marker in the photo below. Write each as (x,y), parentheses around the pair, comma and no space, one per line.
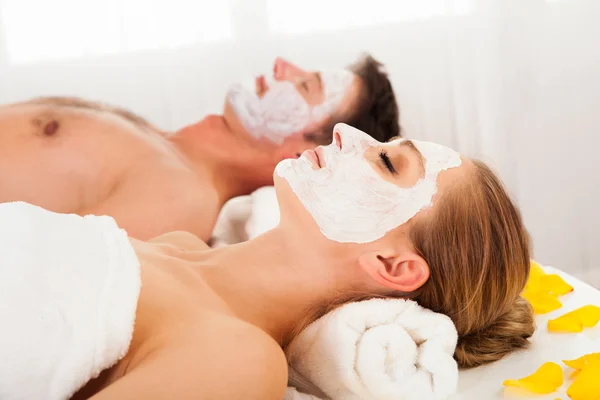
(222,358)
(255,355)
(243,361)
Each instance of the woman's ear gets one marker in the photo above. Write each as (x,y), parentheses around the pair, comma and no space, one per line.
(405,272)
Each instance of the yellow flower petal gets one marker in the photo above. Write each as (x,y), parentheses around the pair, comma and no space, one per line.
(565,326)
(587,384)
(541,302)
(574,321)
(555,285)
(574,374)
(590,315)
(542,290)
(545,380)
(535,274)
(536,267)
(580,362)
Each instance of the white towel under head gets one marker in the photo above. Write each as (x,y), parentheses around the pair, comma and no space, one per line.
(69,287)
(246,217)
(292,394)
(378,349)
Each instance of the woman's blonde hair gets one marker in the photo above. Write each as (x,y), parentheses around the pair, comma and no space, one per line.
(478,254)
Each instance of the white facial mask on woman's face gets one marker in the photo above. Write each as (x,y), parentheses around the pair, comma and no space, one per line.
(282,111)
(349,200)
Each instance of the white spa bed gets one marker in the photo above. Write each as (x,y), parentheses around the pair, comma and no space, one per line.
(486,382)
(250,216)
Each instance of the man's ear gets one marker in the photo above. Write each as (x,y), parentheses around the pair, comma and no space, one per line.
(405,272)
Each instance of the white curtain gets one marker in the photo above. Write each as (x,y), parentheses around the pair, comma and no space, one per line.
(514,82)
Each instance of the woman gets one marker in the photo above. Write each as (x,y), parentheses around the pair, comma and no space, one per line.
(358,219)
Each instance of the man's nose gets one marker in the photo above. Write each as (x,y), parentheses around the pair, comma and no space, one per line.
(284,70)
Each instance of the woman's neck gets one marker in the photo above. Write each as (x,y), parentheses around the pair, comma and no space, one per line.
(271,282)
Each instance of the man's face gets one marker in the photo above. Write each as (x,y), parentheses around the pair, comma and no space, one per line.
(290,102)
(308,84)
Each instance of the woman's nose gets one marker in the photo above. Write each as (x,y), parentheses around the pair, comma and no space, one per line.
(337,138)
(285,71)
(348,137)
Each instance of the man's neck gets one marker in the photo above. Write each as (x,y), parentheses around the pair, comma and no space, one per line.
(232,164)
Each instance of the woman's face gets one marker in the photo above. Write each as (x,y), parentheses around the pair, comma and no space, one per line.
(358,189)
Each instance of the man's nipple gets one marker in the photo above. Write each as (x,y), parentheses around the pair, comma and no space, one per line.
(50,127)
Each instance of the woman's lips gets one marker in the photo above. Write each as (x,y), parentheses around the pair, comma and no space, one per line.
(312,156)
(320,156)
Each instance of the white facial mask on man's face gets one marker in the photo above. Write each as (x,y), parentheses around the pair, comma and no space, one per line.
(349,200)
(282,111)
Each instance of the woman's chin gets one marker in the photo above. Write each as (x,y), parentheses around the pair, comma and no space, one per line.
(282,188)
(287,199)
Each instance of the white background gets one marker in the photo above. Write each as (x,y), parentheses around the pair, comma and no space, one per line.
(514,82)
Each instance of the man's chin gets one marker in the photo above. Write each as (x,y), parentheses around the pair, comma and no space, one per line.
(211,122)
(232,121)
(213,119)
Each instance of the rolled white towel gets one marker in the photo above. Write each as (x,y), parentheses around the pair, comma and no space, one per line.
(230,227)
(378,349)
(246,217)
(265,212)
(292,394)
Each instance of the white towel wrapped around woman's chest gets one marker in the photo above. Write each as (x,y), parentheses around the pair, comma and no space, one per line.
(69,287)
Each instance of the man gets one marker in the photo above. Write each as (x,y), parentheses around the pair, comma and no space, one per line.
(74,156)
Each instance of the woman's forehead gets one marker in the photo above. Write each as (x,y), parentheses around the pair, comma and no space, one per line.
(418,143)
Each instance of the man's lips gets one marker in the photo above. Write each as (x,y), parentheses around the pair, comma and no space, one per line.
(261,85)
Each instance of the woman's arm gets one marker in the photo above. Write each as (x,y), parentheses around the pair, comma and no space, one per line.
(239,365)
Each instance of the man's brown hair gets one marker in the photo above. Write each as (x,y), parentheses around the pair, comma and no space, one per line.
(375,112)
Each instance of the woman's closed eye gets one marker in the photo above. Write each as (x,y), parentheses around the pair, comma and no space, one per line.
(385,160)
